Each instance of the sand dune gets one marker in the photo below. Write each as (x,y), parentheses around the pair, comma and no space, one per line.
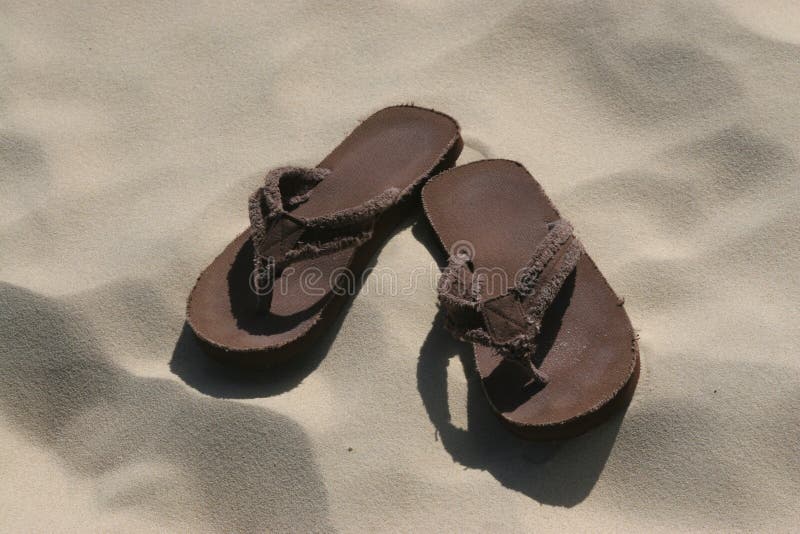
(131,137)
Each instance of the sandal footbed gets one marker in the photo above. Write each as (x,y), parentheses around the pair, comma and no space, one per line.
(587,346)
(397,147)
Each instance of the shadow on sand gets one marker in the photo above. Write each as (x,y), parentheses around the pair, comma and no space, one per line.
(556,473)
(560,473)
(229,464)
(212,377)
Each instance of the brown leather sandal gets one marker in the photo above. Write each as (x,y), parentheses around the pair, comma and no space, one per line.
(554,348)
(277,285)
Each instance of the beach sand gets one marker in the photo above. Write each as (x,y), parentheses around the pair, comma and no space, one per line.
(667,132)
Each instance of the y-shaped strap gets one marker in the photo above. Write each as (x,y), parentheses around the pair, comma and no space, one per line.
(280,238)
(509,322)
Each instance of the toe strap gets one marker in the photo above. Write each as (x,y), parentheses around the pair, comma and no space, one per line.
(510,322)
(280,238)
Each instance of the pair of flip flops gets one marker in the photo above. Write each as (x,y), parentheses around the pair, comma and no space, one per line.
(553,346)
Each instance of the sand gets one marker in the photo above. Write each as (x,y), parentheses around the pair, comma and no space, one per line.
(131,137)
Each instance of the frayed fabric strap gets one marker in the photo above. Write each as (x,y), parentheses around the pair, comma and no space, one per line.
(280,238)
(510,322)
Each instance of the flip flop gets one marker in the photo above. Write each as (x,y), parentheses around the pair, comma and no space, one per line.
(275,287)
(554,348)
